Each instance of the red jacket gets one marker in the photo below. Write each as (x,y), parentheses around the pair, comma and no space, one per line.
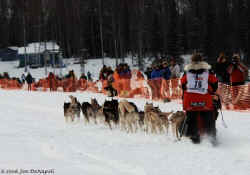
(198,85)
(237,72)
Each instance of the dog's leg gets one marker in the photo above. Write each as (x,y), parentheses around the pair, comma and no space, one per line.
(136,121)
(109,124)
(121,123)
(163,127)
(95,119)
(78,116)
(129,125)
(148,126)
(107,120)
(159,124)
(126,124)
(176,132)
(153,128)
(146,123)
(167,127)
(85,119)
(135,125)
(173,129)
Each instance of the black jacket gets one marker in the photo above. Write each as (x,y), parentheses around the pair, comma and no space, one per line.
(29,79)
(221,72)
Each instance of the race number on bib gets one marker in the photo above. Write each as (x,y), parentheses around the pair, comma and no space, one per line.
(197,83)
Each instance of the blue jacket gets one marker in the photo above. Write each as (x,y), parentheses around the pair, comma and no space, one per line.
(166,73)
(156,74)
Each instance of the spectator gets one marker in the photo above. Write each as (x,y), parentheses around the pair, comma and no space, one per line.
(220,67)
(6,75)
(174,69)
(238,74)
(72,75)
(23,78)
(125,71)
(52,81)
(109,71)
(139,76)
(156,72)
(155,82)
(148,72)
(238,71)
(89,76)
(166,73)
(29,80)
(83,76)
(103,73)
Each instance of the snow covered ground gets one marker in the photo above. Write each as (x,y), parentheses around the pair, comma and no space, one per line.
(34,135)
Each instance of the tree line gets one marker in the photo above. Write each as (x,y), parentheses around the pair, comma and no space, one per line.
(138,27)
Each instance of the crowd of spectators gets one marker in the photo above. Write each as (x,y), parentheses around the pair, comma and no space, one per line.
(228,70)
(166,69)
(231,71)
(21,80)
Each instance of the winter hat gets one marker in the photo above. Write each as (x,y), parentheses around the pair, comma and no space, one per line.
(236,57)
(196,58)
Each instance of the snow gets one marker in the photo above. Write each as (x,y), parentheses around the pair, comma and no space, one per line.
(13,48)
(34,135)
(35,48)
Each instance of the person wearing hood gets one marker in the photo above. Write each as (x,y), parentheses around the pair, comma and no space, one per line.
(199,84)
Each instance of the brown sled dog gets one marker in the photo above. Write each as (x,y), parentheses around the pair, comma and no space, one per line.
(88,112)
(176,121)
(154,119)
(98,110)
(72,109)
(129,116)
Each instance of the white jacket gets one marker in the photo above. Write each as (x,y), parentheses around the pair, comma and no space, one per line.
(175,71)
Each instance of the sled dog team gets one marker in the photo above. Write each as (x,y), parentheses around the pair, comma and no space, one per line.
(125,115)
